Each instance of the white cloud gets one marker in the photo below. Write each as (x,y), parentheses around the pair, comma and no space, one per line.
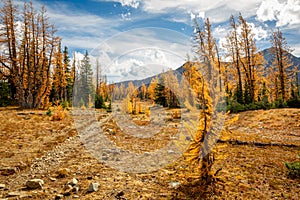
(296,51)
(178,19)
(131,3)
(268,10)
(126,16)
(193,16)
(141,53)
(145,38)
(259,32)
(78,56)
(195,6)
(284,13)
(219,9)
(290,13)
(143,63)
(199,15)
(135,65)
(220,33)
(80,29)
(79,22)
(81,42)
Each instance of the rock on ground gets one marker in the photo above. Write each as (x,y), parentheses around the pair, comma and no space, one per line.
(93,187)
(35,184)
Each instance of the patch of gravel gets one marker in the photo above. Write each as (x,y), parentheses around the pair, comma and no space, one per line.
(50,160)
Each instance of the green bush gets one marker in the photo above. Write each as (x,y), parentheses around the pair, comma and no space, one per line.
(235,107)
(293,103)
(65,104)
(251,106)
(5,92)
(294,169)
(109,108)
(99,102)
(279,104)
(258,105)
(49,112)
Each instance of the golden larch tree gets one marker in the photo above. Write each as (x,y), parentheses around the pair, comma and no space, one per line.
(205,83)
(282,67)
(30,53)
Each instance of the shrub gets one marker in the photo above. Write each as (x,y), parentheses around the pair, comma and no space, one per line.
(293,103)
(147,111)
(65,104)
(294,169)
(279,104)
(49,112)
(109,109)
(59,113)
(176,115)
(235,107)
(5,92)
(99,102)
(258,105)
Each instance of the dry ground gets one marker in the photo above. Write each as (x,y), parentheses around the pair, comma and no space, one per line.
(32,146)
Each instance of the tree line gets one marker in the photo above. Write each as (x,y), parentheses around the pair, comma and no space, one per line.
(35,70)
(31,44)
(33,67)
(248,80)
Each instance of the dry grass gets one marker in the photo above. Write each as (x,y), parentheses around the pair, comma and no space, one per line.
(246,172)
(27,134)
(58,113)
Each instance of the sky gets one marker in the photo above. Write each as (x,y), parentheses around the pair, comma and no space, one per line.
(135,38)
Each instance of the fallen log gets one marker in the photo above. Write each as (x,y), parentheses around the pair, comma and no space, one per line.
(259,144)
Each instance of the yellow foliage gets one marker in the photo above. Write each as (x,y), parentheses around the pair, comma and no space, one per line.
(147,111)
(151,89)
(231,121)
(139,110)
(90,103)
(59,113)
(234,119)
(129,107)
(176,115)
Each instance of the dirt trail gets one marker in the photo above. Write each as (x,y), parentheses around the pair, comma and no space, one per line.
(39,148)
(71,154)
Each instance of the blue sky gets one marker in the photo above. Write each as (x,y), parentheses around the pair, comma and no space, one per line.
(86,20)
(124,27)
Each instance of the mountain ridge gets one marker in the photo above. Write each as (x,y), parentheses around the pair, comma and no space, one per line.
(267,54)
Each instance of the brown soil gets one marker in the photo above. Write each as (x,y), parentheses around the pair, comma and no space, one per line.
(33,146)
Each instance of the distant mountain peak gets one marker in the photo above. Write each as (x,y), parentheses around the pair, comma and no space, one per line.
(268,55)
